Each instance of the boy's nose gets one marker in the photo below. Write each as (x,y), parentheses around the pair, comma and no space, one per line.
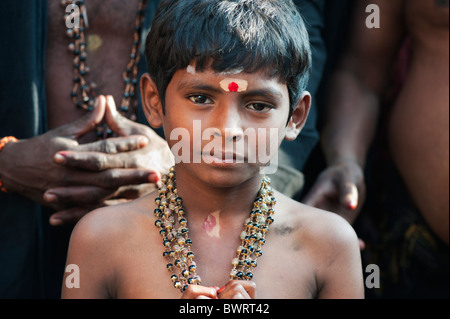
(228,122)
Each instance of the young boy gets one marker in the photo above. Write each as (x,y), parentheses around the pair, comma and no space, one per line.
(237,67)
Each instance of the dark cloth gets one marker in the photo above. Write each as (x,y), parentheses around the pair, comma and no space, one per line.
(32,253)
(413,261)
(293,155)
(22,97)
(299,150)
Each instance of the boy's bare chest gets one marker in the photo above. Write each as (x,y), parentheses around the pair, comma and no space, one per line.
(283,271)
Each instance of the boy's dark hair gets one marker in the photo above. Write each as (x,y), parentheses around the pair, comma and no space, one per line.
(248,35)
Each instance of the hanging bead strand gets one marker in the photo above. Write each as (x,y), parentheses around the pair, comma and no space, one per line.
(254,235)
(172,225)
(128,106)
(83,91)
(175,234)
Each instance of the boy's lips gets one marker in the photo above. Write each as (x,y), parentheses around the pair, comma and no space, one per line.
(223,158)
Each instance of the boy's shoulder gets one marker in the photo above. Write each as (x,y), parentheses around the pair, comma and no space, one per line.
(311,224)
(115,223)
(323,243)
(105,240)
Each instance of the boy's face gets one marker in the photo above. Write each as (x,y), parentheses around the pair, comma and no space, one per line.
(225,127)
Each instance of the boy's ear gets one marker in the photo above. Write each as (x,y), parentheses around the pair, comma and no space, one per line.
(151,102)
(299,116)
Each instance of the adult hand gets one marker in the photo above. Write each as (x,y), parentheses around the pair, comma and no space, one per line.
(28,166)
(111,155)
(340,189)
(103,155)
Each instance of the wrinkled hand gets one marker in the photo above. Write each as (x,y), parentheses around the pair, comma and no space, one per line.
(340,189)
(28,167)
(154,155)
(54,170)
(110,156)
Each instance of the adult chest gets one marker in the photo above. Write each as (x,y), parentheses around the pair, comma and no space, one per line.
(109,39)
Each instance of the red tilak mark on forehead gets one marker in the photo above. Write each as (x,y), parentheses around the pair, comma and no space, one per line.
(233,87)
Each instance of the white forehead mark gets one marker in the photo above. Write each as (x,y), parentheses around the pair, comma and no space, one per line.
(191,69)
(234,85)
(232,71)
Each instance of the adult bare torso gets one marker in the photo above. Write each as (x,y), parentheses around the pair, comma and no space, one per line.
(419,125)
(109,37)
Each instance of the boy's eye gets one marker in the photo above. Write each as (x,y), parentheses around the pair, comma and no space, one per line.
(200,99)
(260,107)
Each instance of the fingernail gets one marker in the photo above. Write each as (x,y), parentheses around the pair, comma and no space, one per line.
(362,244)
(60,157)
(143,141)
(221,290)
(50,198)
(55,221)
(154,177)
(352,204)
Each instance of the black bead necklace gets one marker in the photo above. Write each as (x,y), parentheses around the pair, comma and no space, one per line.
(83,91)
(173,227)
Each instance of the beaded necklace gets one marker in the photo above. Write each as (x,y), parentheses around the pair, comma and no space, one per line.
(83,90)
(172,225)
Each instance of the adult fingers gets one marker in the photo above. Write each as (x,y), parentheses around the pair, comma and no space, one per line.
(91,196)
(86,123)
(110,179)
(350,201)
(115,178)
(97,162)
(120,124)
(68,216)
(105,155)
(116,144)
(349,195)
(320,194)
(83,196)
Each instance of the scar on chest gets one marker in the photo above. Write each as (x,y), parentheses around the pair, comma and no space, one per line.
(211,225)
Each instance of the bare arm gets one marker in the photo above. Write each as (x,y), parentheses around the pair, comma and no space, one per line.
(90,250)
(340,274)
(353,106)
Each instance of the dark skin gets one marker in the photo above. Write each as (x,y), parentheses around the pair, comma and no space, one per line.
(67,169)
(418,126)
